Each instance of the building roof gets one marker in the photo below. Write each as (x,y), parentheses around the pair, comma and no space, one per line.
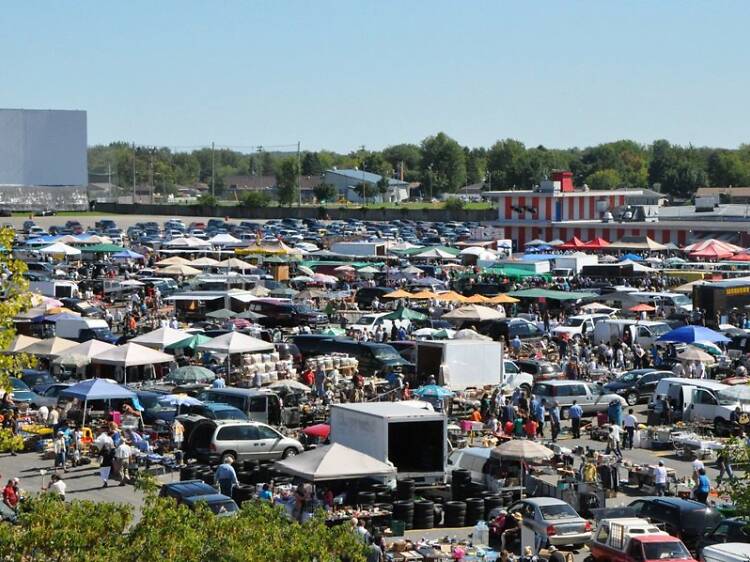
(360,175)
(732,191)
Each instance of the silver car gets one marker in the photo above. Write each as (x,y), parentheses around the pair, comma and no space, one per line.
(218,440)
(592,398)
(554,520)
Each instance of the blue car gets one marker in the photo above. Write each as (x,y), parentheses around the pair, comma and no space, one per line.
(21,391)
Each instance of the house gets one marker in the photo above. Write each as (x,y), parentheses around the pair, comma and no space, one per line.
(347,182)
(267,184)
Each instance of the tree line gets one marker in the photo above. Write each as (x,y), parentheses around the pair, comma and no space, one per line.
(441,164)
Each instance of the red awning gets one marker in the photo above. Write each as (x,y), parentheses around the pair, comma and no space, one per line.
(596,243)
(574,243)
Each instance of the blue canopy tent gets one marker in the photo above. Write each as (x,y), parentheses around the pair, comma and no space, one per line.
(96,389)
(127,255)
(631,257)
(690,334)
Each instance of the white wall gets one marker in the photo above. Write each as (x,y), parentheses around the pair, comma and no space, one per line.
(43,147)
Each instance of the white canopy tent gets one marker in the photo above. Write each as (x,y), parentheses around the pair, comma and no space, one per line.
(131,355)
(60,249)
(333,462)
(161,338)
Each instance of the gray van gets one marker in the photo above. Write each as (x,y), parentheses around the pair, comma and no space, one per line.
(260,405)
(592,398)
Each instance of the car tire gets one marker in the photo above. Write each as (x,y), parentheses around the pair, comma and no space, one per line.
(631,398)
(226,456)
(289,452)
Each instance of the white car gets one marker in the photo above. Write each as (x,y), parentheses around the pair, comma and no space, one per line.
(554,520)
(577,327)
(371,321)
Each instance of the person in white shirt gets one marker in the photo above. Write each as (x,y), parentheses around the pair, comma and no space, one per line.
(123,452)
(697,465)
(54,417)
(42,414)
(57,487)
(613,441)
(630,422)
(660,479)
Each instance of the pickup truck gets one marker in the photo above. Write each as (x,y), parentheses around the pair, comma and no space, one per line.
(634,540)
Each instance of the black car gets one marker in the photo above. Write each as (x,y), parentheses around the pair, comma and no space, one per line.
(636,385)
(735,529)
(219,504)
(685,519)
(506,329)
(366,295)
(285,314)
(540,370)
(191,492)
(82,307)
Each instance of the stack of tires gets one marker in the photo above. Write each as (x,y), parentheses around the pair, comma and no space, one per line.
(403,510)
(382,492)
(189,472)
(454,514)
(405,489)
(474,511)
(366,498)
(243,493)
(424,514)
(492,502)
(460,484)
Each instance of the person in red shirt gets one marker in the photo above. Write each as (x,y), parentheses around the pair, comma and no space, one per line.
(530,427)
(10,494)
(475,415)
(308,377)
(406,392)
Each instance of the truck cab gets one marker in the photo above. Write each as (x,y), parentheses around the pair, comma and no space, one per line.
(635,540)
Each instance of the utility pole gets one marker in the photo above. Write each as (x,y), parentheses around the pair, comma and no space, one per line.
(299,174)
(213,170)
(364,183)
(109,178)
(133,173)
(151,172)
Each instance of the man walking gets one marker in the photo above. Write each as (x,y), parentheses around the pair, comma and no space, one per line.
(630,424)
(123,452)
(226,477)
(660,479)
(60,448)
(575,412)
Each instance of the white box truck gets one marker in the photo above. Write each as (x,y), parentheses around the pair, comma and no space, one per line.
(461,364)
(84,329)
(642,332)
(415,441)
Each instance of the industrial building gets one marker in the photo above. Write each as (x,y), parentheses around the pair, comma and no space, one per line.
(346,183)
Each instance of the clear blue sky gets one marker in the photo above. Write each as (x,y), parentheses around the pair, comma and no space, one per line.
(339,74)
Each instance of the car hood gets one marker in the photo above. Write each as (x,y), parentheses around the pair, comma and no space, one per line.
(614,386)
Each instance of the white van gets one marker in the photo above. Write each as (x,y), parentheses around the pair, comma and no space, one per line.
(373,320)
(578,326)
(709,400)
(643,332)
(669,303)
(727,552)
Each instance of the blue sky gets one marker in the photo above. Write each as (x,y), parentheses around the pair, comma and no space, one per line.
(343,74)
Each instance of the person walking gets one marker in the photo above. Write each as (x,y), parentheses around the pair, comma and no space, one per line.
(554,420)
(702,487)
(123,452)
(613,441)
(724,464)
(226,477)
(575,413)
(107,456)
(60,449)
(660,479)
(630,422)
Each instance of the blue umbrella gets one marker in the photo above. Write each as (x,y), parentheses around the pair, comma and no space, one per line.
(690,334)
(128,255)
(631,257)
(433,391)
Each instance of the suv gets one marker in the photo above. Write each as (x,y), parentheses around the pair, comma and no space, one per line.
(219,440)
(685,519)
(507,329)
(590,397)
(216,411)
(636,385)
(285,314)
(540,370)
(577,327)
(366,295)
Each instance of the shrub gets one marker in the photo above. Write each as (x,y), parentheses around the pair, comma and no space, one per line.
(254,200)
(454,204)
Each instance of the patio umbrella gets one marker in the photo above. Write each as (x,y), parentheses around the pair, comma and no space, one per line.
(522,450)
(502,298)
(127,255)
(20,343)
(708,347)
(190,343)
(398,294)
(433,391)
(326,279)
(191,374)
(642,307)
(631,257)
(368,270)
(421,295)
(319,430)
(183,270)
(689,334)
(204,262)
(594,306)
(474,312)
(468,334)
(412,270)
(302,279)
(695,354)
(50,347)
(174,260)
(234,263)
(450,296)
(251,315)
(476,299)
(307,271)
(221,314)
(402,313)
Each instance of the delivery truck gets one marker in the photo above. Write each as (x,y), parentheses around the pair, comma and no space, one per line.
(84,329)
(462,364)
(414,440)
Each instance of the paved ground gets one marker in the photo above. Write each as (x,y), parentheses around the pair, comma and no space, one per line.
(123,221)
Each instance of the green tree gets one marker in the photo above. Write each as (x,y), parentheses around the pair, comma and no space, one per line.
(443,164)
(604,179)
(454,204)
(727,168)
(505,164)
(287,177)
(406,156)
(476,165)
(207,200)
(255,200)
(325,192)
(311,165)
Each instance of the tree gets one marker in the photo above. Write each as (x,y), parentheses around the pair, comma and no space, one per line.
(443,164)
(604,179)
(476,165)
(207,200)
(325,192)
(727,168)
(255,200)
(406,157)
(15,299)
(287,176)
(311,165)
(505,163)
(454,203)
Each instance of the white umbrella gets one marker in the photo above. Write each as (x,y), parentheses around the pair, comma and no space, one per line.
(204,262)
(179,400)
(174,260)
(468,334)
(306,270)
(474,312)
(183,270)
(131,283)
(234,263)
(60,249)
(188,242)
(522,450)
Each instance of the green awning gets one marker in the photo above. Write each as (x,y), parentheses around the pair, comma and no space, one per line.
(402,313)
(550,295)
(513,272)
(102,249)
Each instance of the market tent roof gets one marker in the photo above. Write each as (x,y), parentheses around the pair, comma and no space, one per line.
(450,296)
(103,249)
(474,312)
(128,254)
(437,253)
(596,243)
(50,347)
(503,298)
(235,342)
(88,348)
(174,260)
(402,313)
(536,242)
(637,243)
(714,251)
(224,239)
(97,389)
(184,270)
(512,272)
(161,337)
(631,257)
(188,242)
(20,343)
(190,343)
(333,462)
(204,262)
(690,334)
(221,314)
(59,248)
(572,244)
(131,355)
(550,294)
(268,247)
(521,449)
(698,246)
(688,287)
(397,294)
(744,256)
(236,263)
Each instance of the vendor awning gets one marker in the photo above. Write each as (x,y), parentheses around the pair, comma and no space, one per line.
(193,297)
(550,294)
(333,462)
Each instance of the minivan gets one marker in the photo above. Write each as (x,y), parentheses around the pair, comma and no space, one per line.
(590,397)
(260,405)
(219,440)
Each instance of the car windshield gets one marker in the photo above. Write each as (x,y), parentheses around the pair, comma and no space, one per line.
(665,550)
(659,329)
(627,377)
(561,511)
(573,322)
(18,384)
(229,415)
(385,353)
(739,393)
(681,300)
(367,319)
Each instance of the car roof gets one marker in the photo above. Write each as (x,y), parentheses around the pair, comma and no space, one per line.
(195,487)
(679,503)
(545,501)
(229,391)
(561,383)
(208,498)
(655,537)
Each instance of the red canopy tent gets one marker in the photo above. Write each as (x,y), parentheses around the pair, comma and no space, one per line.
(574,243)
(712,251)
(740,257)
(596,244)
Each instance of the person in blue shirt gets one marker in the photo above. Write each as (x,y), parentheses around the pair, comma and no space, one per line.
(265,493)
(539,412)
(219,382)
(702,487)
(575,413)
(226,477)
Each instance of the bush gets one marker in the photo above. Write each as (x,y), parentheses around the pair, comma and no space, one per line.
(208,200)
(325,192)
(254,200)
(454,204)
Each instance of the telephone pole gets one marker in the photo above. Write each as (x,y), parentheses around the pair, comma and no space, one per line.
(213,170)
(299,175)
(133,173)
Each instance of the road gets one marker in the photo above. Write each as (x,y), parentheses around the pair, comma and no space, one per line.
(123,221)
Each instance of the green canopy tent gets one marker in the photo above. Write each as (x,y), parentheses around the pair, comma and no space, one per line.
(550,294)
(102,249)
(512,272)
(403,313)
(190,343)
(221,314)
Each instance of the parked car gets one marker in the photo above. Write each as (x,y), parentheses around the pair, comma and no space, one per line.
(215,411)
(590,397)
(186,489)
(554,520)
(726,552)
(637,385)
(218,440)
(219,504)
(735,529)
(685,519)
(21,392)
(506,329)
(37,380)
(285,314)
(48,397)
(366,295)
(634,540)
(540,370)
